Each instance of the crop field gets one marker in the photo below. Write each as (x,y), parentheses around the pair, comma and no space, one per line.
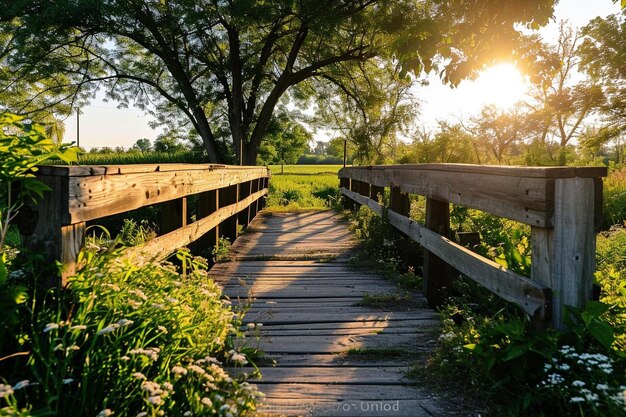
(303,187)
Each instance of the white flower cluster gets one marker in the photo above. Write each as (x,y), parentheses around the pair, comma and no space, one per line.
(152,353)
(114,326)
(237,357)
(593,367)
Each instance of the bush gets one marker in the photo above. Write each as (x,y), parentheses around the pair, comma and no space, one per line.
(127,340)
(319,160)
(614,210)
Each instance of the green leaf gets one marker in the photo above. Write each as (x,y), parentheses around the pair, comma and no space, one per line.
(596,308)
(602,332)
(515,351)
(3,271)
(470,346)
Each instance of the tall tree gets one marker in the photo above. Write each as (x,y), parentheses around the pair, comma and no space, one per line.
(603,57)
(222,66)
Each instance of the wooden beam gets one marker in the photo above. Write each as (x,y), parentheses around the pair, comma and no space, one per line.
(530,296)
(94,197)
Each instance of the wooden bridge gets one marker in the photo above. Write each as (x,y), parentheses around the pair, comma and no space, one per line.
(319,340)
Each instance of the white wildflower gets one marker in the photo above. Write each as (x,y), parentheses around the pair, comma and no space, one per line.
(105,413)
(578,383)
(196,369)
(563,367)
(171,300)
(71,348)
(602,387)
(167,386)
(125,322)
(79,327)
(5,390)
(152,353)
(239,358)
(125,358)
(142,414)
(251,326)
(139,294)
(50,326)
(158,306)
(226,302)
(576,400)
(187,413)
(179,370)
(139,375)
(207,401)
(156,400)
(110,328)
(162,329)
(68,381)
(259,325)
(152,388)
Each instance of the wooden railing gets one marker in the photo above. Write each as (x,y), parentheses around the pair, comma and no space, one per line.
(561,204)
(226,196)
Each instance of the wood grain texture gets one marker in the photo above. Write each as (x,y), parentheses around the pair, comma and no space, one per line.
(311,318)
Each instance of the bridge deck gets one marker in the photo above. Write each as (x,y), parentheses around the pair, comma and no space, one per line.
(295,267)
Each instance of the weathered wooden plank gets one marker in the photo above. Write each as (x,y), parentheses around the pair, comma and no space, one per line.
(164,245)
(93,197)
(285,317)
(506,170)
(527,200)
(331,360)
(526,293)
(340,392)
(574,245)
(375,375)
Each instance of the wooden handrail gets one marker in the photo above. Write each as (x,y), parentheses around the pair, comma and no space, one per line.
(562,205)
(227,195)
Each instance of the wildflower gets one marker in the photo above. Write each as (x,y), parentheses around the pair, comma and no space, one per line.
(156,400)
(79,327)
(578,383)
(139,294)
(239,358)
(50,326)
(142,414)
(158,306)
(207,401)
(68,381)
(110,328)
(125,358)
(179,370)
(576,400)
(167,386)
(563,367)
(196,369)
(162,329)
(259,325)
(226,302)
(187,413)
(139,375)
(602,387)
(251,326)
(5,390)
(71,348)
(105,413)
(125,322)
(152,353)
(21,384)
(171,300)
(152,388)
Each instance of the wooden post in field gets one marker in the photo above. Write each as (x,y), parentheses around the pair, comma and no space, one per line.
(563,258)
(438,275)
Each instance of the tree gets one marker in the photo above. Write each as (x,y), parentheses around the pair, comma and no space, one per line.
(561,106)
(143,145)
(168,143)
(602,54)
(222,66)
(285,142)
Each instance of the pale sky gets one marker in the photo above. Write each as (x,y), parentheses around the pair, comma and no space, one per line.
(103,124)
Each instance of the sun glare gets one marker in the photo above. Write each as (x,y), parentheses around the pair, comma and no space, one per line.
(502,85)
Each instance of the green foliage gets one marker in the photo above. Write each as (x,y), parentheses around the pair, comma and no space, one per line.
(614,199)
(303,187)
(128,339)
(285,142)
(139,157)
(221,251)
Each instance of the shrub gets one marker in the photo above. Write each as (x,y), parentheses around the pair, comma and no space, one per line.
(128,340)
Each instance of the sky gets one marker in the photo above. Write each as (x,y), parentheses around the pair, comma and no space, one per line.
(103,124)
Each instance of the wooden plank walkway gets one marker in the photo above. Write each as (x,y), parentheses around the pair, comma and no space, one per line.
(294,266)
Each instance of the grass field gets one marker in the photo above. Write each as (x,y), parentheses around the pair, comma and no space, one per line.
(303,187)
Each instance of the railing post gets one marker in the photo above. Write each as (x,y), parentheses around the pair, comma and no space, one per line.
(228,196)
(564,258)
(438,275)
(173,215)
(243,192)
(356,187)
(345,183)
(207,203)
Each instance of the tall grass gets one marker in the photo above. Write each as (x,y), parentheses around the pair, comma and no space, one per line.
(303,187)
(615,198)
(137,157)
